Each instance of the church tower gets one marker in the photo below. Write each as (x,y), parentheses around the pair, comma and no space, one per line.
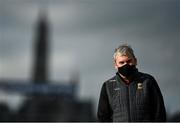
(40,68)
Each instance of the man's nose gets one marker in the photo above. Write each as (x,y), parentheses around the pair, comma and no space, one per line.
(125,63)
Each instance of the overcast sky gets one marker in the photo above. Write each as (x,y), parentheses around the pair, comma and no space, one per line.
(83,36)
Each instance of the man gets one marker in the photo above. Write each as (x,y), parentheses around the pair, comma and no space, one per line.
(130,95)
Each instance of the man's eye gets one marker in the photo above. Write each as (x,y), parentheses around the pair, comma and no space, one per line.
(129,61)
(121,62)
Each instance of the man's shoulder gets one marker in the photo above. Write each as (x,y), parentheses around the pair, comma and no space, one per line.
(146,75)
(112,79)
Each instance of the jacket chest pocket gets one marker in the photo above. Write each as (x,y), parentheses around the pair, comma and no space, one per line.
(142,101)
(141,97)
(120,101)
(115,100)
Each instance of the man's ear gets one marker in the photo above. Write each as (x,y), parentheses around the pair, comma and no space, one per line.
(115,66)
(135,60)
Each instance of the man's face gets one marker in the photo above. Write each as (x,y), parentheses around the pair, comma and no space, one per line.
(122,60)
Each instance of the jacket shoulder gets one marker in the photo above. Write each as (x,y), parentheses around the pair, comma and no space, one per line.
(112,79)
(144,77)
(109,85)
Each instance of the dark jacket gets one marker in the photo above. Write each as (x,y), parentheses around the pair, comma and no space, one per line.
(141,100)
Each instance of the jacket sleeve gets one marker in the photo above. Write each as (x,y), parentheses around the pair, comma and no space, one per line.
(159,111)
(104,112)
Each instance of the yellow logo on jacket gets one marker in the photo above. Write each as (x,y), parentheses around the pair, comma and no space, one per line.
(140,86)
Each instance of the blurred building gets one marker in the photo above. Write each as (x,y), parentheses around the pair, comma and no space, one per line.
(45,101)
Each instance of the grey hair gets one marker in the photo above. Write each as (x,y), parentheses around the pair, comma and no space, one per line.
(124,49)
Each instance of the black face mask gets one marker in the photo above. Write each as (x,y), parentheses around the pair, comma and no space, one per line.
(127,70)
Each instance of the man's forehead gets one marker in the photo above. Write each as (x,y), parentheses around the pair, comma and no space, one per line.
(123,55)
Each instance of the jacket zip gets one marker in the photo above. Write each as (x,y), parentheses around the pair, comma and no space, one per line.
(128,98)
